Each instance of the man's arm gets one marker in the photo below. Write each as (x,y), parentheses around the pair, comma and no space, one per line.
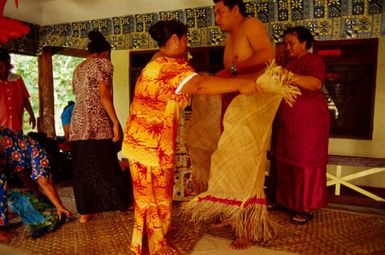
(259,41)
(28,107)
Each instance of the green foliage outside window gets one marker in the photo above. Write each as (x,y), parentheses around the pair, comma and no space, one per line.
(63,67)
(27,68)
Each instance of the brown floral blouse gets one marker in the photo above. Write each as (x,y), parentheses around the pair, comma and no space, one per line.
(89,120)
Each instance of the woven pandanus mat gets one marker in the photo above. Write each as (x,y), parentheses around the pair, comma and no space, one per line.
(331,232)
(107,233)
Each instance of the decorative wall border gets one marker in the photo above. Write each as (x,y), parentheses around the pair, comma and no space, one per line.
(327,19)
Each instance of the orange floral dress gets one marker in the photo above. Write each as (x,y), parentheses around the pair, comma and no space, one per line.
(149,144)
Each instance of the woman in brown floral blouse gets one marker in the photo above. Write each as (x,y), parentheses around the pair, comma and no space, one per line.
(95,131)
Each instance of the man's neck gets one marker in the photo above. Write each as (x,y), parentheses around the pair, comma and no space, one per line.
(237,26)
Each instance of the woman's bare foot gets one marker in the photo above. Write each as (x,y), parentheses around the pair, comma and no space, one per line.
(84,218)
(166,250)
(221,224)
(241,243)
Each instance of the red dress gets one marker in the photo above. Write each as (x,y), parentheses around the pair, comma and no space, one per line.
(300,143)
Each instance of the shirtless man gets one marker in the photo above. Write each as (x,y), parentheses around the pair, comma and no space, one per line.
(247,46)
(247,50)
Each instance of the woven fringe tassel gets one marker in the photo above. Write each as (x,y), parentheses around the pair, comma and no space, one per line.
(250,222)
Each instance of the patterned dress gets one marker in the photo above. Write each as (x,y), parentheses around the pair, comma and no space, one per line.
(99,184)
(21,153)
(149,144)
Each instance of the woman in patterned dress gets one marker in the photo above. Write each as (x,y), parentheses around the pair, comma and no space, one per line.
(95,132)
(21,154)
(149,138)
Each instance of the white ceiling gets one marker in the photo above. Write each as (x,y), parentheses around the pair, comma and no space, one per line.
(48,12)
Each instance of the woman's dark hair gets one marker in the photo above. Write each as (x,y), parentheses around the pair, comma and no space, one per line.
(4,56)
(232,3)
(97,43)
(69,104)
(303,34)
(162,30)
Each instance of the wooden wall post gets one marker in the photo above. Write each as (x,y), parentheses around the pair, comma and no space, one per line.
(46,121)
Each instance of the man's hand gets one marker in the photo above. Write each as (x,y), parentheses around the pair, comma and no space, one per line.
(32,121)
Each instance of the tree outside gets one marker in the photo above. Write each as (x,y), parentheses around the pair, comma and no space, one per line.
(63,67)
(27,68)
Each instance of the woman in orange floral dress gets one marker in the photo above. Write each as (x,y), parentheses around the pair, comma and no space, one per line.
(149,138)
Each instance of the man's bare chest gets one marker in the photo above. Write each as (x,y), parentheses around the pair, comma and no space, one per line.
(236,50)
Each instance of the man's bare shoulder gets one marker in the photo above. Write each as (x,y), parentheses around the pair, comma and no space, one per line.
(252,22)
(254,28)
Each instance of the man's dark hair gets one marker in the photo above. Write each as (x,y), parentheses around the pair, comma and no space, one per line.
(232,3)
(4,56)
(303,34)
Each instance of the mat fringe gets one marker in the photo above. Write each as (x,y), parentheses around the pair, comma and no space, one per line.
(250,221)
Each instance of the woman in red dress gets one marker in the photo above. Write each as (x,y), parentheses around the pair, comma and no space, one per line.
(300,142)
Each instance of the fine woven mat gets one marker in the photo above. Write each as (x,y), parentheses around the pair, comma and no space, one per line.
(107,233)
(331,232)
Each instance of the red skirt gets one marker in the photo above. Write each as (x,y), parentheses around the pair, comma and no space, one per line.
(301,188)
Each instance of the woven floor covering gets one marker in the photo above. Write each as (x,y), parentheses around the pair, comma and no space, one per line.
(330,232)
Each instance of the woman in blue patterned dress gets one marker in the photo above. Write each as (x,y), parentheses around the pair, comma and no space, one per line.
(22,154)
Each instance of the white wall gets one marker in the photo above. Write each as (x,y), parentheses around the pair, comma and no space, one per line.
(368,148)
(120,60)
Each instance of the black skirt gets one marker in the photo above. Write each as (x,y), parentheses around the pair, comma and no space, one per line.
(99,183)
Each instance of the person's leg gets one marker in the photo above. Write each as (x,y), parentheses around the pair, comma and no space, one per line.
(40,173)
(140,188)
(148,217)
(221,224)
(162,186)
(80,184)
(4,235)
(99,184)
(241,243)
(3,199)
